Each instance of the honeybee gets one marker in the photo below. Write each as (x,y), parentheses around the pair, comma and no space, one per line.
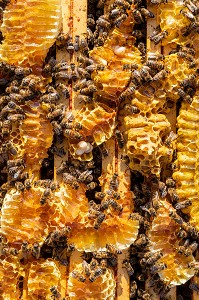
(88,90)
(13,105)
(136,216)
(127,265)
(64,90)
(62,168)
(159,37)
(103,22)
(114,181)
(50,98)
(170,182)
(113,194)
(176,218)
(153,258)
(113,249)
(191,249)
(187,98)
(71,180)
(141,240)
(10,147)
(189,28)
(158,1)
(172,136)
(57,128)
(6,127)
(120,139)
(58,151)
(104,205)
(27,184)
(193,7)
(155,65)
(182,234)
(125,4)
(63,38)
(91,21)
(145,74)
(78,276)
(138,16)
(55,293)
(103,150)
(157,268)
(84,47)
(96,273)
(91,186)
(133,289)
(25,250)
(188,15)
(185,55)
(146,13)
(19,186)
(173,194)
(14,170)
(119,20)
(138,34)
(86,176)
(12,89)
(131,109)
(99,220)
(36,249)
(21,72)
(183,204)
(16,118)
(55,114)
(4,99)
(45,196)
(99,195)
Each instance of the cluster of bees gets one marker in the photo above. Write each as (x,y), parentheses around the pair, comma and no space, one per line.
(20,88)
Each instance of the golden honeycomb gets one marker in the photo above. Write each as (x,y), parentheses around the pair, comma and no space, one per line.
(43,275)
(104,287)
(163,238)
(145,147)
(186,175)
(172,20)
(28,32)
(9,277)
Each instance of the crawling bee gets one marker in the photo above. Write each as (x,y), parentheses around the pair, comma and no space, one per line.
(153,258)
(189,28)
(119,20)
(146,13)
(78,276)
(145,74)
(113,249)
(132,109)
(133,289)
(12,89)
(103,150)
(19,186)
(142,240)
(16,117)
(138,33)
(45,196)
(96,273)
(120,139)
(192,6)
(91,186)
(158,1)
(6,127)
(157,268)
(36,249)
(57,128)
(114,181)
(185,55)
(88,90)
(162,189)
(15,171)
(62,168)
(182,234)
(100,195)
(50,98)
(170,182)
(188,15)
(138,17)
(84,47)
(71,180)
(10,147)
(64,90)
(99,220)
(103,22)
(183,204)
(21,72)
(127,265)
(117,207)
(173,194)
(187,98)
(159,37)
(194,287)
(55,293)
(86,176)
(25,250)
(172,136)
(55,114)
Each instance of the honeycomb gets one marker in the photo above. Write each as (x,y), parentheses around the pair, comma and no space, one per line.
(102,288)
(144,134)
(28,34)
(163,238)
(9,274)
(186,175)
(43,275)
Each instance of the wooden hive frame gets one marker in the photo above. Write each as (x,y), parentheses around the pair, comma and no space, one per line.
(76,25)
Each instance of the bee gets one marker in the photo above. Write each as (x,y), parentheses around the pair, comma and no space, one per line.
(84,47)
(133,289)
(188,29)
(191,249)
(162,189)
(12,89)
(99,195)
(131,109)
(25,250)
(6,127)
(55,114)
(11,148)
(146,13)
(103,22)
(62,168)
(142,240)
(194,265)
(182,234)
(192,7)
(64,90)
(91,186)
(158,37)
(183,204)
(50,98)
(157,268)
(16,118)
(58,151)
(160,75)
(139,34)
(138,16)
(57,128)
(154,258)
(127,265)
(144,72)
(128,93)
(172,136)
(158,1)
(55,293)
(100,4)
(63,38)
(21,72)
(176,218)
(99,220)
(114,181)
(70,48)
(76,43)
(119,20)
(88,90)
(91,21)
(96,273)
(120,139)
(188,15)
(104,205)
(19,186)
(117,207)
(170,182)
(113,249)
(36,249)
(114,13)
(125,4)
(194,287)
(61,75)
(173,194)
(45,196)
(187,98)
(103,150)
(78,276)
(4,99)
(86,176)
(27,184)
(14,106)
(155,65)
(113,194)
(185,55)
(71,180)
